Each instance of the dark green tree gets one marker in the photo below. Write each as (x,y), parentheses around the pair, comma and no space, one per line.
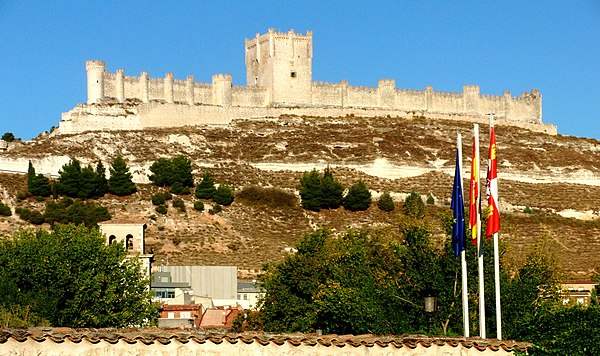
(88,183)
(162,172)
(206,189)
(68,210)
(414,206)
(101,182)
(5,210)
(386,203)
(71,278)
(30,176)
(223,195)
(332,191)
(70,179)
(120,181)
(310,191)
(175,173)
(358,197)
(8,137)
(37,185)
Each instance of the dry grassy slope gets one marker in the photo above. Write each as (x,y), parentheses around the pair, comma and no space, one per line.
(248,236)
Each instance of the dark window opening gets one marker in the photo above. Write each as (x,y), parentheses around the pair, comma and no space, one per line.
(111,239)
(293,74)
(129,242)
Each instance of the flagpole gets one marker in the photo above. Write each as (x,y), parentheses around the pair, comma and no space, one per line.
(479,244)
(463,259)
(496,259)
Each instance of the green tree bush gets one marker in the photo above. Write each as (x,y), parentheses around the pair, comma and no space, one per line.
(175,173)
(332,191)
(215,209)
(8,137)
(5,210)
(386,203)
(68,210)
(414,206)
(223,195)
(162,209)
(120,181)
(179,204)
(37,185)
(206,189)
(160,198)
(70,277)
(101,181)
(198,205)
(358,197)
(430,199)
(69,179)
(310,191)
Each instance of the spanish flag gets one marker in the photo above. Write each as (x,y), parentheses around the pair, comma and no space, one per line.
(474,187)
(493,213)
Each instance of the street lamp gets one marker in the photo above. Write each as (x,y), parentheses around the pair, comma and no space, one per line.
(430,305)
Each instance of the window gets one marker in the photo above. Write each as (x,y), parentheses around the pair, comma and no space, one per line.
(185,315)
(129,242)
(164,292)
(293,74)
(111,239)
(245,296)
(171,315)
(239,296)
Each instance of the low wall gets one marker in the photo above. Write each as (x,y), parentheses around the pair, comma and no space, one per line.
(102,117)
(161,342)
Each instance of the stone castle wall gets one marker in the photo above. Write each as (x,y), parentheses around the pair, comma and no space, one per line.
(279,75)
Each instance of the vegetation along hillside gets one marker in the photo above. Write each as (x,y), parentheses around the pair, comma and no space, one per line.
(549,186)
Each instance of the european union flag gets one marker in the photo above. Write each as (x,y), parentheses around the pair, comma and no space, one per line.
(457,205)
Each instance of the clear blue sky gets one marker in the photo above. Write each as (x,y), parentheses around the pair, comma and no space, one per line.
(553,46)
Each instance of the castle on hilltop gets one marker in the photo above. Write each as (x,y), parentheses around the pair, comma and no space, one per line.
(278,82)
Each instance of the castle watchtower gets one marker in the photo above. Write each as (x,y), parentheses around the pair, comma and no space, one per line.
(95,80)
(281,63)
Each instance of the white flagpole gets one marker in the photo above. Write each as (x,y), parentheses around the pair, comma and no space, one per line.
(463,259)
(479,244)
(497,270)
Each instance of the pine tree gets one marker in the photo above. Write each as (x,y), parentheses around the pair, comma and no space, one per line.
(358,197)
(30,177)
(88,183)
(101,182)
(69,180)
(332,191)
(120,181)
(223,195)
(386,203)
(310,191)
(206,188)
(414,206)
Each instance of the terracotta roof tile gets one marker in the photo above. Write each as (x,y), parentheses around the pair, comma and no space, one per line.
(218,336)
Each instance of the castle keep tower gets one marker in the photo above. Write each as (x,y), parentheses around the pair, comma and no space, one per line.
(95,80)
(281,63)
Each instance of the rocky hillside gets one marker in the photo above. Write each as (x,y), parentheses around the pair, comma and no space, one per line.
(558,177)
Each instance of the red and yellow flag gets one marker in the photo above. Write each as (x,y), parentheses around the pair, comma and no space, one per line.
(493,213)
(474,188)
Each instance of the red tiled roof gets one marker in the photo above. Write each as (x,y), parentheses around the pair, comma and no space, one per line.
(178,307)
(157,336)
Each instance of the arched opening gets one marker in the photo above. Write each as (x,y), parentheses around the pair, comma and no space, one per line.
(129,242)
(111,239)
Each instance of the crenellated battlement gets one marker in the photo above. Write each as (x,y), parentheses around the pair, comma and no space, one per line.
(279,75)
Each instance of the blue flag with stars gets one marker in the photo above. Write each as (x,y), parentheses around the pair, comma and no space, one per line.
(458,207)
